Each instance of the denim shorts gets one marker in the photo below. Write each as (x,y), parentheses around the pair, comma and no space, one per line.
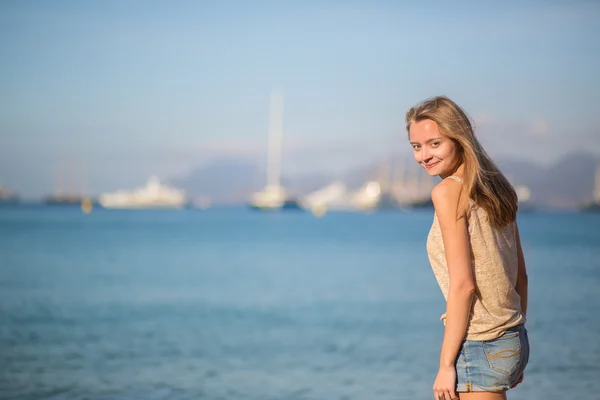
(492,365)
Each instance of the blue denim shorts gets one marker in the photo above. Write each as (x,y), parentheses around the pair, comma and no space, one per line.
(492,365)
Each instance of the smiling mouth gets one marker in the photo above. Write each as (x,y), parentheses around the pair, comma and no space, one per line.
(428,166)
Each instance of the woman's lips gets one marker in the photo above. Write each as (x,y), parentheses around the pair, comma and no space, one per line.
(428,166)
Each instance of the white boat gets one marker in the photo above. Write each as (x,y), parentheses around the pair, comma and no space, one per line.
(333,197)
(274,196)
(524,198)
(153,195)
(336,197)
(523,193)
(368,196)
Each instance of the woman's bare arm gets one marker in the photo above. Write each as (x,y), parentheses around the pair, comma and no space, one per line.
(522,281)
(455,236)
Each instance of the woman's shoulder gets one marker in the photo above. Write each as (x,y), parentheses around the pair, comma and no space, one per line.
(445,196)
(447,190)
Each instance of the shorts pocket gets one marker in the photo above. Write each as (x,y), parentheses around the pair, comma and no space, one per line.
(504,353)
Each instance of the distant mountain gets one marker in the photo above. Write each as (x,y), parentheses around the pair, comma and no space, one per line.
(562,185)
(232,181)
(225,181)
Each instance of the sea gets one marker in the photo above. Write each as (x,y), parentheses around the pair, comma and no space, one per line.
(234,304)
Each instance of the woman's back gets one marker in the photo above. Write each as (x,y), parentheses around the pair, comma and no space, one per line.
(494,258)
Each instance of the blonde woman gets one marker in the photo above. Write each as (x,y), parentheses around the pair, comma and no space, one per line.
(475,253)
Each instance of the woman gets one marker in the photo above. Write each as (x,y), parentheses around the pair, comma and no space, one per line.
(475,253)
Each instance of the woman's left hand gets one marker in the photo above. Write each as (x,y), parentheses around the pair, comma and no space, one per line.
(445,384)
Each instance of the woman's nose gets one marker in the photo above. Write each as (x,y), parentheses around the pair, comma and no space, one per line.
(425,156)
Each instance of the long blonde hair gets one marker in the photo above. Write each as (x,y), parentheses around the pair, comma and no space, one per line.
(482,180)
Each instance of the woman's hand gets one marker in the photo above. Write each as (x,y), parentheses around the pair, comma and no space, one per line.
(445,384)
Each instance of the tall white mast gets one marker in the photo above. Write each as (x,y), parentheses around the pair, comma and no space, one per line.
(597,185)
(275,139)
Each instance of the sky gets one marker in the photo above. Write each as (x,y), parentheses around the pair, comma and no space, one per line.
(117,91)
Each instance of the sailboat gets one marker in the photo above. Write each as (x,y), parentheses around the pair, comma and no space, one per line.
(594,205)
(70,194)
(274,196)
(412,187)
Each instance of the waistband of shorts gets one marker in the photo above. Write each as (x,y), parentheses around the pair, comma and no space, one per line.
(516,328)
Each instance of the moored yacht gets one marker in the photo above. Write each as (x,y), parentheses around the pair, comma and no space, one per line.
(153,195)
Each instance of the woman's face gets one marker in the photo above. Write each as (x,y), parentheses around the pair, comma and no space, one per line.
(434,151)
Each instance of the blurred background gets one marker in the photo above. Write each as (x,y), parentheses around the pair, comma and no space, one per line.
(218,199)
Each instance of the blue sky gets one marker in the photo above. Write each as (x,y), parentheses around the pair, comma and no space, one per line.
(124,90)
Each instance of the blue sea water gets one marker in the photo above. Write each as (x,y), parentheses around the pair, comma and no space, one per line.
(232,304)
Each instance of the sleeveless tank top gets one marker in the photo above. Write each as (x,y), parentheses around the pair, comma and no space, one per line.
(497,305)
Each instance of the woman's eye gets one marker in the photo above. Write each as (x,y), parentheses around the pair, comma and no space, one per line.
(435,144)
(416,146)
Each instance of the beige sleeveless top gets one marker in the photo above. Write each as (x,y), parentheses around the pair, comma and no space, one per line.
(497,305)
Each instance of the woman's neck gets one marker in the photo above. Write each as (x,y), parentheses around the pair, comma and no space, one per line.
(458,171)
